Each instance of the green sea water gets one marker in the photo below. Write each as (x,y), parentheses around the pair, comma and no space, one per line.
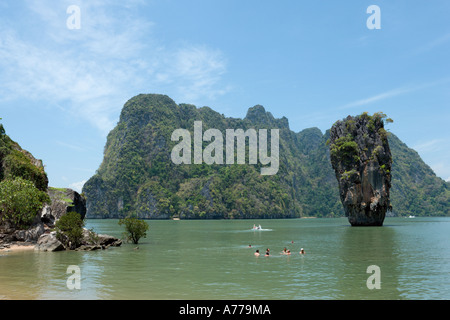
(214,259)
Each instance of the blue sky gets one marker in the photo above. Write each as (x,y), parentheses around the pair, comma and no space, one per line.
(61,89)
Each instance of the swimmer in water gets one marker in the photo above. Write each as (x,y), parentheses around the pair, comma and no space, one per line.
(267,252)
(302,251)
(257,253)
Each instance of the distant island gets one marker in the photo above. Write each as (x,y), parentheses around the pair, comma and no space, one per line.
(138,177)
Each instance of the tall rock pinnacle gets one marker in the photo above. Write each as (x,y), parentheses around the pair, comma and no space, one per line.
(361,159)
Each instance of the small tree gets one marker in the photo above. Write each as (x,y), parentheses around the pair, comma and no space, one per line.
(134,229)
(69,229)
(20,201)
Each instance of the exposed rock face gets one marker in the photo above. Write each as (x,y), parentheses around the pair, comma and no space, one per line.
(101,241)
(361,158)
(9,234)
(63,200)
(48,242)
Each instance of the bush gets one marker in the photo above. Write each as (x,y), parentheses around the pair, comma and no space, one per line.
(134,229)
(345,148)
(20,202)
(16,164)
(69,229)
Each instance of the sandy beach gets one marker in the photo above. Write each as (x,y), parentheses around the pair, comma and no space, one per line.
(17,247)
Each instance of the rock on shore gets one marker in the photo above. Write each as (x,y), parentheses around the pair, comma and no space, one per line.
(49,242)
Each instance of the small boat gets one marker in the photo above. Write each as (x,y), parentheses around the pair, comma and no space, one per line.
(257,227)
(411,217)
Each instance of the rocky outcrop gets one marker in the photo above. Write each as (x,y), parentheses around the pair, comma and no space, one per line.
(63,200)
(40,232)
(90,242)
(361,158)
(10,234)
(94,241)
(49,242)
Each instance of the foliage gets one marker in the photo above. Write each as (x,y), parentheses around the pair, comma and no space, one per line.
(377,151)
(92,236)
(69,229)
(351,174)
(345,148)
(416,190)
(20,201)
(135,229)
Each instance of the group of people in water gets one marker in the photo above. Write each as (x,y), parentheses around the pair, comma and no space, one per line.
(285,252)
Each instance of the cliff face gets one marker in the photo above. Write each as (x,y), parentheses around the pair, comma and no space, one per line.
(17,162)
(138,176)
(62,201)
(361,158)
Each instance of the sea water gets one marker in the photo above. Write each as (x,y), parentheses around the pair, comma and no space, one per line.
(214,259)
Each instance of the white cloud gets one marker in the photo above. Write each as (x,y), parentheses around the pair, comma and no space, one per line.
(430,146)
(91,72)
(393,93)
(194,71)
(381,96)
(85,82)
(77,186)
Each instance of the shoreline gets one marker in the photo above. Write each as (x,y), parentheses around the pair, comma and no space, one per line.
(17,248)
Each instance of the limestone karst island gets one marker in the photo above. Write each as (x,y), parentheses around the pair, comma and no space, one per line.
(361,158)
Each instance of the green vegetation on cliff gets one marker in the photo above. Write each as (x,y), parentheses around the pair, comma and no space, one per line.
(23,183)
(138,177)
(16,162)
(416,190)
